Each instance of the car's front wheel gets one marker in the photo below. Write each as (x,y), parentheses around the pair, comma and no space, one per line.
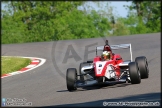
(71,78)
(134,73)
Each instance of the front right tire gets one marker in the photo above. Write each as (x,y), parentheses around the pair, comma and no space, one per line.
(134,73)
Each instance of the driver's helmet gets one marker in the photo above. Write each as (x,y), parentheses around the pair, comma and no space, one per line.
(106,55)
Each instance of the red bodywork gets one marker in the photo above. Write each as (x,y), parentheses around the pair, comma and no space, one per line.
(100,66)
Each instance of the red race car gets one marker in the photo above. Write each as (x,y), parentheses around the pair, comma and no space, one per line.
(108,68)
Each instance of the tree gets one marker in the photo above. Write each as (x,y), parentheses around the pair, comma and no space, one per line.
(149,14)
(35,21)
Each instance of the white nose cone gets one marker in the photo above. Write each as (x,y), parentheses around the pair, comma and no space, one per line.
(109,73)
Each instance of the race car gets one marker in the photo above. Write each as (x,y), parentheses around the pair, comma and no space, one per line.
(112,71)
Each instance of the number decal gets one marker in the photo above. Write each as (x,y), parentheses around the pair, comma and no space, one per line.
(100,65)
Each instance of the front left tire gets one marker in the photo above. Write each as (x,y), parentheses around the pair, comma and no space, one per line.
(71,78)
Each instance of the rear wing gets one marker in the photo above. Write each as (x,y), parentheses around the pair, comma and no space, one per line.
(116,47)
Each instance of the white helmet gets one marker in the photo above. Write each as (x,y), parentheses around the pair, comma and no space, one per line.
(106,55)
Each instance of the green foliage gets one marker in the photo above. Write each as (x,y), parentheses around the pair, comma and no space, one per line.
(121,28)
(148,15)
(36,21)
(46,21)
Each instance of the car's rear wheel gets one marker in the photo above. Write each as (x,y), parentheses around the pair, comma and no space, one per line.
(134,73)
(80,67)
(71,78)
(143,66)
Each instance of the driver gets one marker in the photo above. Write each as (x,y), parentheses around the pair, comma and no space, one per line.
(106,55)
(107,52)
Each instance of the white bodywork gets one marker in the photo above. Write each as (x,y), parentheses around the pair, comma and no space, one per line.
(99,66)
(85,68)
(109,74)
(124,63)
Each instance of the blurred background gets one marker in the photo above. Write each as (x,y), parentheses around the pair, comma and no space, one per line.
(39,21)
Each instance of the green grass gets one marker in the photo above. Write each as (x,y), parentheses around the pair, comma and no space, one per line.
(12,64)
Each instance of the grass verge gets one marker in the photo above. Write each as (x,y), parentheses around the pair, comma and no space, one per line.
(12,64)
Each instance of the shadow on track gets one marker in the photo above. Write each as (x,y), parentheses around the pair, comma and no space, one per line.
(149,97)
(101,86)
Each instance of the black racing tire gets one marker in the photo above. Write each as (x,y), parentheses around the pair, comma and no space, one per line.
(134,73)
(71,78)
(143,66)
(80,67)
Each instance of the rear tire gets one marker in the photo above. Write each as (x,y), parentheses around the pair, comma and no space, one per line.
(143,66)
(134,73)
(71,78)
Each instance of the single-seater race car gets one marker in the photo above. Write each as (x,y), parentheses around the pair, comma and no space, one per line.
(112,71)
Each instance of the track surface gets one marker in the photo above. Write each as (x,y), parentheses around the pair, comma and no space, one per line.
(44,86)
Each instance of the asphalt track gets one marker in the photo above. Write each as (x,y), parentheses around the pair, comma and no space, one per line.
(46,85)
